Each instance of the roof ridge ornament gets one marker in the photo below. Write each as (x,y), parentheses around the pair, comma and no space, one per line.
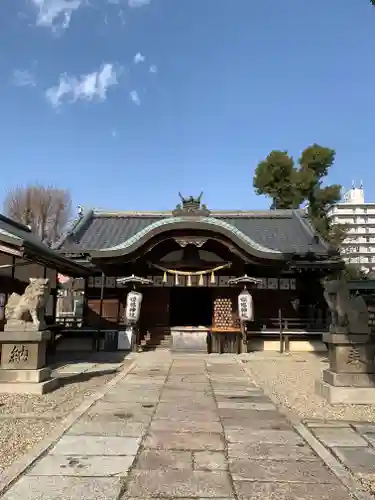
(191,206)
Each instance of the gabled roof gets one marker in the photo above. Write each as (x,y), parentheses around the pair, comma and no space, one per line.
(20,238)
(285,232)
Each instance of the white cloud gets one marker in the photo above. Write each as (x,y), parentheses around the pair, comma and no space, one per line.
(24,78)
(89,87)
(138,3)
(135,97)
(153,69)
(138,58)
(55,14)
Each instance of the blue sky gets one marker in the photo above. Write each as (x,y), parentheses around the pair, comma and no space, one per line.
(127,102)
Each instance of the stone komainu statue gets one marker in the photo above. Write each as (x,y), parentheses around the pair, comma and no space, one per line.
(27,310)
(348,314)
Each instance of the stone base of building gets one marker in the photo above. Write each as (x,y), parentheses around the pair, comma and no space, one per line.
(345,395)
(23,367)
(189,339)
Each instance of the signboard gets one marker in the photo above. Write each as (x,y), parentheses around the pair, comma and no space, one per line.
(133,306)
(245,306)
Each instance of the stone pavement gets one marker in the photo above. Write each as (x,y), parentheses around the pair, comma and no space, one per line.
(188,427)
(353,443)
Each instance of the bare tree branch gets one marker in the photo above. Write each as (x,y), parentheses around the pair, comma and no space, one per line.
(46,209)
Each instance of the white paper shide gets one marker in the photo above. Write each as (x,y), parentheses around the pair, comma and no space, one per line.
(245,306)
(133,306)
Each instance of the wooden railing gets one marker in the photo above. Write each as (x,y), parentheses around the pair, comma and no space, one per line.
(287,328)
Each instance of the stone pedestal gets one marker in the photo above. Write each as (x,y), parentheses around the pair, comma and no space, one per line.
(351,376)
(23,367)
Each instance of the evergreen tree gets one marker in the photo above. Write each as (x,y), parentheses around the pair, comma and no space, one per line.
(289,185)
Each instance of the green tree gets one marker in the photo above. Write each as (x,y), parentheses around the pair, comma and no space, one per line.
(276,177)
(289,184)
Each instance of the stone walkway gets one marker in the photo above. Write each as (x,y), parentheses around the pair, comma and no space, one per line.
(188,427)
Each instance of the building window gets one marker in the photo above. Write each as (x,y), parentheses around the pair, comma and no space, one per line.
(357,249)
(365,210)
(367,229)
(366,219)
(354,209)
(369,259)
(367,239)
(369,249)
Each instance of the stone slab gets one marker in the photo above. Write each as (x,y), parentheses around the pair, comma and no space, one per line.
(189,397)
(234,394)
(252,415)
(189,341)
(210,460)
(207,405)
(29,387)
(339,437)
(364,428)
(11,335)
(125,396)
(96,445)
(349,379)
(226,413)
(263,436)
(195,388)
(184,441)
(164,459)
(123,411)
(179,484)
(327,423)
(286,470)
(185,426)
(345,339)
(266,451)
(345,395)
(359,460)
(184,415)
(245,406)
(64,488)
(289,491)
(105,427)
(75,368)
(83,466)
(280,424)
(25,376)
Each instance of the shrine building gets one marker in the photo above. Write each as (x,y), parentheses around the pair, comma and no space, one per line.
(191,257)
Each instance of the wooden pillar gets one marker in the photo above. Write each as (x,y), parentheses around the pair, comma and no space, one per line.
(97,346)
(13,267)
(85,301)
(55,295)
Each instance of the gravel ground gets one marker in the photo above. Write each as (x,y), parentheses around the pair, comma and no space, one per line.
(289,379)
(25,420)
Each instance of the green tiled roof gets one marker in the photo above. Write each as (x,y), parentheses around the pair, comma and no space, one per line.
(273,231)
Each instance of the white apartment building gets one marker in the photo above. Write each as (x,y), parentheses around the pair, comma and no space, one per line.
(359,216)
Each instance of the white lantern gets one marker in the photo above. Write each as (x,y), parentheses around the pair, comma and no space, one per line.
(245,306)
(133,306)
